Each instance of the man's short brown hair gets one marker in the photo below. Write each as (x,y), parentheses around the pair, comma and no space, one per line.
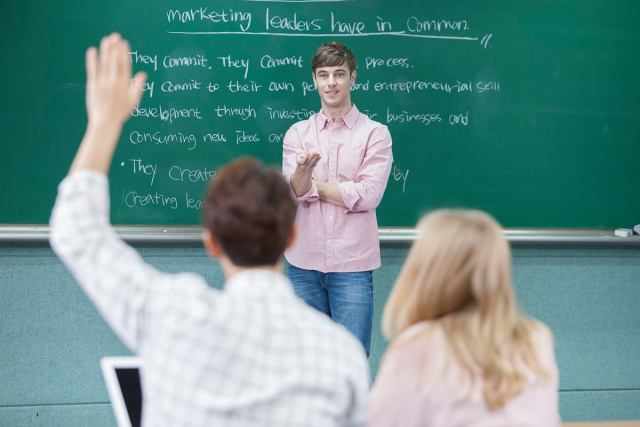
(332,54)
(250,213)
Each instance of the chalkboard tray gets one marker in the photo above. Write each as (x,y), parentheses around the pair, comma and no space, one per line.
(399,235)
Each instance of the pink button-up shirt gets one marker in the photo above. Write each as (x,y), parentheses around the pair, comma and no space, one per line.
(355,154)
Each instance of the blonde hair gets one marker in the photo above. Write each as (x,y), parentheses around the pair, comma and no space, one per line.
(458,276)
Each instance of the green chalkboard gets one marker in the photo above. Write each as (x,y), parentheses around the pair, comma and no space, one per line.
(529,110)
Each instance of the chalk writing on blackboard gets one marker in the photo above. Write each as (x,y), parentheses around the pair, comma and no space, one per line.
(240,87)
(244,112)
(178,173)
(326,26)
(138,166)
(235,63)
(402,117)
(202,14)
(157,138)
(268,62)
(241,136)
(236,131)
(167,114)
(397,174)
(171,87)
(301,114)
(133,199)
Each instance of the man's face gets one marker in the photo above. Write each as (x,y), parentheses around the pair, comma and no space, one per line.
(334,85)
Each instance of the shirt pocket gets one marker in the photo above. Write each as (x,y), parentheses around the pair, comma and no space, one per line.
(349,163)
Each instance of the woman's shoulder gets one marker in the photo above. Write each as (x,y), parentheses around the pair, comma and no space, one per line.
(543,340)
(419,333)
(540,333)
(419,341)
(414,355)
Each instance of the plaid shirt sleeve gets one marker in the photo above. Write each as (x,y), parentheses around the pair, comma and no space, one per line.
(121,285)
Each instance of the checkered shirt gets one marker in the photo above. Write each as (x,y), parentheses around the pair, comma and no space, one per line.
(251,355)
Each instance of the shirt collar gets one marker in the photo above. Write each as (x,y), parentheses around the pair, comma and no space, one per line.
(349,119)
(259,281)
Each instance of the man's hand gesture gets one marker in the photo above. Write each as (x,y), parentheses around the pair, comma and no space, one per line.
(301,178)
(307,161)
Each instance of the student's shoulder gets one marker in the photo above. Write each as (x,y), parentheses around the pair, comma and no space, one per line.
(423,338)
(188,292)
(539,332)
(542,342)
(405,358)
(430,331)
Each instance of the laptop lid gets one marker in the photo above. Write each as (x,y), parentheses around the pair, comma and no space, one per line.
(122,378)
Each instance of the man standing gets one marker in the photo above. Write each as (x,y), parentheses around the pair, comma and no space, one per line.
(338,163)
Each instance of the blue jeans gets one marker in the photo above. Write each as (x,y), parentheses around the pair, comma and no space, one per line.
(345,297)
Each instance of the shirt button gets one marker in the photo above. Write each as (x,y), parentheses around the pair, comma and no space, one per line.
(333,151)
(329,240)
(330,217)
(332,174)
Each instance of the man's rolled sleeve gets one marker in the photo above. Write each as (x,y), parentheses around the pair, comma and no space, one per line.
(311,195)
(348,194)
(366,192)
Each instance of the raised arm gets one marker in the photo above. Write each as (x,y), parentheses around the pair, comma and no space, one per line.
(121,285)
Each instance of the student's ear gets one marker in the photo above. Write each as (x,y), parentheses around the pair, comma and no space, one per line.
(212,246)
(315,84)
(353,77)
(292,236)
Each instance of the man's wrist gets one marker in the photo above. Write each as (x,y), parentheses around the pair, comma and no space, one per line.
(300,183)
(303,172)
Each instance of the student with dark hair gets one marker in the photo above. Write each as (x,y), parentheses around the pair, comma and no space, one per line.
(252,354)
(338,163)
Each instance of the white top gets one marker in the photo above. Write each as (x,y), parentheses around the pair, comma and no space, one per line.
(251,355)
(422,384)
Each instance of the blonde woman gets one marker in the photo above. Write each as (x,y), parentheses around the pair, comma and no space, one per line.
(461,354)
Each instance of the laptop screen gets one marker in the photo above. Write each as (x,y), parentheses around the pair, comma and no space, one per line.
(129,380)
(122,378)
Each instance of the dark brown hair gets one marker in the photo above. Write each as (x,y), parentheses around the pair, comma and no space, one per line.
(332,54)
(250,212)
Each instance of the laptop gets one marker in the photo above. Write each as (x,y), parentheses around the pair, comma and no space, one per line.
(122,378)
